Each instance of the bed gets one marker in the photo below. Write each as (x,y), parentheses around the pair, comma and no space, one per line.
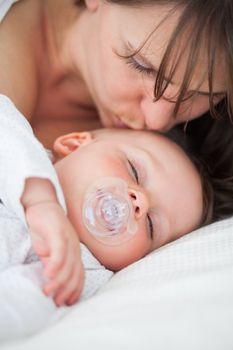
(178,297)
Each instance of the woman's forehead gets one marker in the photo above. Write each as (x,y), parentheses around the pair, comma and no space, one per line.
(142,22)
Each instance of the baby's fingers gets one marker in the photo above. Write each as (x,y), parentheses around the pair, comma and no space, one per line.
(57,258)
(73,298)
(72,291)
(39,245)
(62,279)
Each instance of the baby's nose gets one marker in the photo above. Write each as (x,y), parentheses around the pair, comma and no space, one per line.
(140,203)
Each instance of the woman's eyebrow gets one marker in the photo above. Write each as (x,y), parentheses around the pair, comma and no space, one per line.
(169,81)
(207,93)
(145,60)
(148,63)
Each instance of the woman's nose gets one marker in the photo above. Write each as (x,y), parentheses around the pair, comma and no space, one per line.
(140,202)
(158,115)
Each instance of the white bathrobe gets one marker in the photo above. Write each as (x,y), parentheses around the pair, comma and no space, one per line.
(5,5)
(23,306)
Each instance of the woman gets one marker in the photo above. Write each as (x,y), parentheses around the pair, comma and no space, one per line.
(139,64)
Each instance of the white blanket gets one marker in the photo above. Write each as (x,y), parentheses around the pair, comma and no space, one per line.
(179,297)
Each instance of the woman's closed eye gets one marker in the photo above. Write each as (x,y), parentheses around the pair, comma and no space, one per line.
(150,226)
(136,65)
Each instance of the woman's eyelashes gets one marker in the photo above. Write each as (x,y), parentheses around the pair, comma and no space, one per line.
(150,226)
(136,65)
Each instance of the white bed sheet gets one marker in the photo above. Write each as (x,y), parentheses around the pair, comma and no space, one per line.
(179,297)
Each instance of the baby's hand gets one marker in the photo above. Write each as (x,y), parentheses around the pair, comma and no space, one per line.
(56,243)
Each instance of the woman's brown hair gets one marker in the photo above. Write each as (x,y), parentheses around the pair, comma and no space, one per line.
(208,141)
(209,24)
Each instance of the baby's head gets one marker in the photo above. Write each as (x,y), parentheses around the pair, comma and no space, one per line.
(151,175)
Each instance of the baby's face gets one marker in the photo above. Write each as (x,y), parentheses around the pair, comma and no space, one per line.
(163,185)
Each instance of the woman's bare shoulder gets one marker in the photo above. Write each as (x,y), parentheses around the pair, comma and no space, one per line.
(18,68)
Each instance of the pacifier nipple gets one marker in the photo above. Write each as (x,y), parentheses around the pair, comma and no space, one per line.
(108,211)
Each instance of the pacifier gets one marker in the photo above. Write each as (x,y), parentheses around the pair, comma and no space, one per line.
(108,212)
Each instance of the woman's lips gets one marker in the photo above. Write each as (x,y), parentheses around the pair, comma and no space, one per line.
(130,124)
(118,123)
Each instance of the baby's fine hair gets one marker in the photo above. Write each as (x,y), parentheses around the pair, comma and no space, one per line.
(208,143)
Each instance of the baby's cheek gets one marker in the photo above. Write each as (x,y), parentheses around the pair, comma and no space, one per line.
(114,166)
(119,256)
(137,247)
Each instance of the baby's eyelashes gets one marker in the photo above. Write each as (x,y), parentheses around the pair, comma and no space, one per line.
(134,171)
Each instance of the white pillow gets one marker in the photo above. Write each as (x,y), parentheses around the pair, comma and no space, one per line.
(179,297)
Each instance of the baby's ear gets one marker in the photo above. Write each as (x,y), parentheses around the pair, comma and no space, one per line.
(68,143)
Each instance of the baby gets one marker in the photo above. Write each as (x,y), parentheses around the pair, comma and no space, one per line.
(142,173)
(126,193)
(160,190)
